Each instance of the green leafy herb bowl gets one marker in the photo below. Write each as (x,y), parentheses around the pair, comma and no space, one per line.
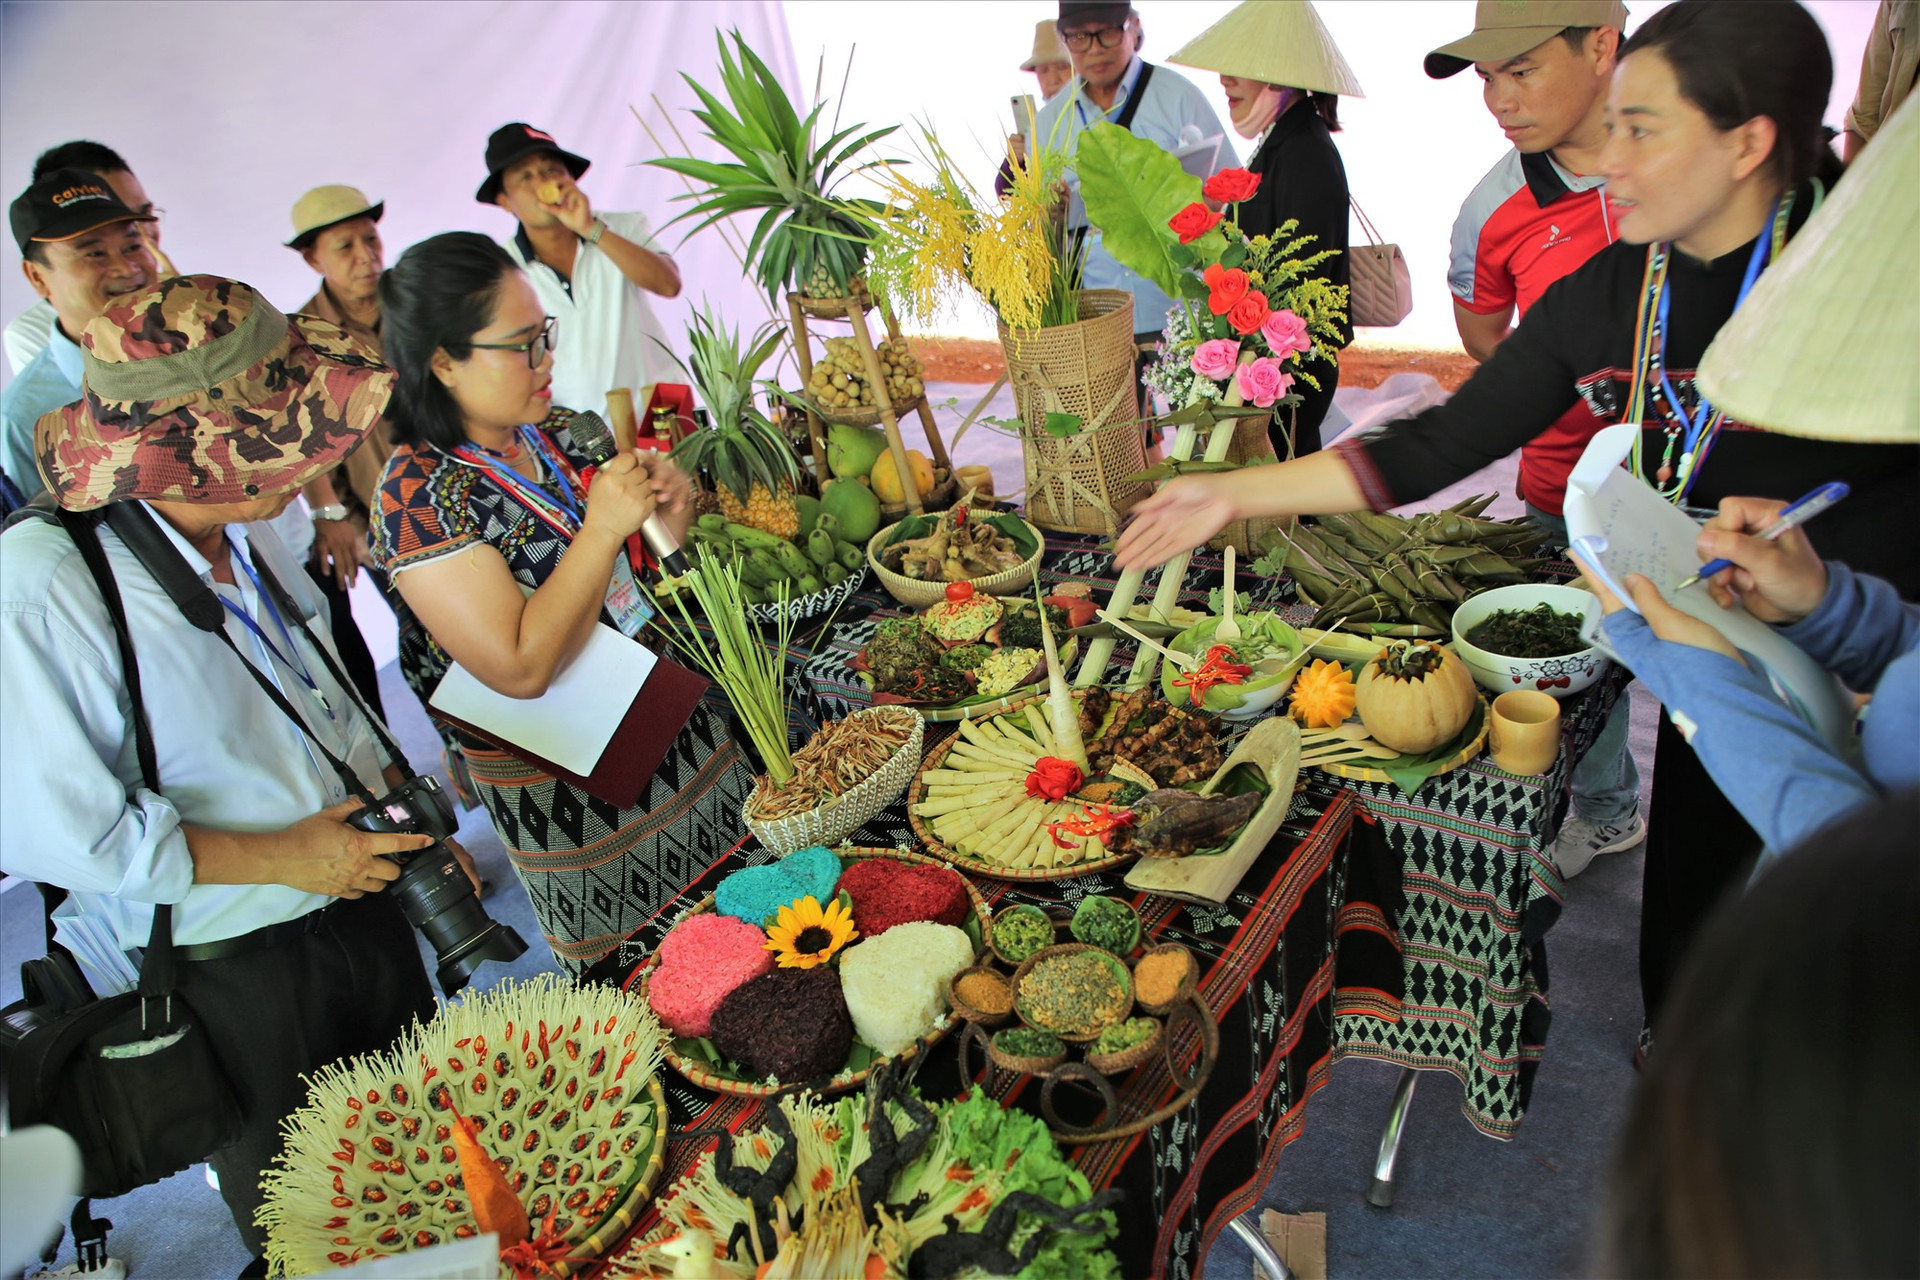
(1561,677)
(1261,691)
(1034,997)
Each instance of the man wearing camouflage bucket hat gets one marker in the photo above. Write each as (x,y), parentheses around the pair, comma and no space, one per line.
(207,409)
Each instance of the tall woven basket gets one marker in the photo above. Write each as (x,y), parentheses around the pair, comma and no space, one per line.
(1075,483)
(1251,444)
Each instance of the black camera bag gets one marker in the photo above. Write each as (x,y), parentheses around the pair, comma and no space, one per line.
(132,1077)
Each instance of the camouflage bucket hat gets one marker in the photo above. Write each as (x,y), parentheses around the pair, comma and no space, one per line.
(199,390)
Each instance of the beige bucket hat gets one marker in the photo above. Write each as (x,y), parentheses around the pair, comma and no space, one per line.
(1274,42)
(1828,343)
(1505,29)
(323,207)
(1046,46)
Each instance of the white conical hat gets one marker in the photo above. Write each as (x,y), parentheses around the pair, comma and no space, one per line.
(1274,42)
(1828,343)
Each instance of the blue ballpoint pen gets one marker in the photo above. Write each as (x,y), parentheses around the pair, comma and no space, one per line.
(1790,517)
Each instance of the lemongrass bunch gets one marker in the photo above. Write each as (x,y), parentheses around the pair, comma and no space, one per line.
(750,671)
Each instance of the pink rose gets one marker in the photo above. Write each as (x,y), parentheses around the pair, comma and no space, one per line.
(1215,359)
(1261,383)
(1284,332)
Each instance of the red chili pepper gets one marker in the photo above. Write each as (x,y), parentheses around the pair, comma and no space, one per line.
(1216,668)
(1094,820)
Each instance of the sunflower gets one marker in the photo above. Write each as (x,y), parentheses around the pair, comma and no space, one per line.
(804,936)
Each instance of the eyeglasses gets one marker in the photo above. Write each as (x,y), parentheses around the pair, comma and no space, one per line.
(537,349)
(1081,41)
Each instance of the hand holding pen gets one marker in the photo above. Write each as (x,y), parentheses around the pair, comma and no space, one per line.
(1763,558)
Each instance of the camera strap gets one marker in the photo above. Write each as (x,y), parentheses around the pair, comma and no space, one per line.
(201,607)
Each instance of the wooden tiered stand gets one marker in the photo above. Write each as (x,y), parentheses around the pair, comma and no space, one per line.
(854,310)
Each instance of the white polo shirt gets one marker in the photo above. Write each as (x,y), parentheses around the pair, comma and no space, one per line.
(607,329)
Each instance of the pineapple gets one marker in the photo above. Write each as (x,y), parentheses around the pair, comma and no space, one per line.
(773,510)
(748,462)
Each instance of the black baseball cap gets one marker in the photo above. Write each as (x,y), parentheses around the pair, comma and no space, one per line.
(67,203)
(511,143)
(1090,12)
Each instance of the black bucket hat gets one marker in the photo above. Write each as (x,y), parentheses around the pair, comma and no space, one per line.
(511,143)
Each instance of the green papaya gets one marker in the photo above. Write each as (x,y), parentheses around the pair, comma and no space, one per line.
(853,505)
(792,559)
(820,547)
(847,556)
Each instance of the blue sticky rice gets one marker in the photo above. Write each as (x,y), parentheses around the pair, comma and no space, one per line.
(756,894)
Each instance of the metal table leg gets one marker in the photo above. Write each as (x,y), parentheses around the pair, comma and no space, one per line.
(1381,1192)
(1256,1240)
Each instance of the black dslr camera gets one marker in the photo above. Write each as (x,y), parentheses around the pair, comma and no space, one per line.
(433,890)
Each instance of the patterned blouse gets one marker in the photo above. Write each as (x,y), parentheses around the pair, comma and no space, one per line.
(434,505)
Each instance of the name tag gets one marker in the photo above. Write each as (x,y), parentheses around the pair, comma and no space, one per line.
(627,605)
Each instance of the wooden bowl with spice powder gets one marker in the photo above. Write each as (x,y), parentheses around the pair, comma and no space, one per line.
(1074,990)
(1163,977)
(981,995)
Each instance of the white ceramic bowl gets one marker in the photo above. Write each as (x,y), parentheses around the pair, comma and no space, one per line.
(1497,674)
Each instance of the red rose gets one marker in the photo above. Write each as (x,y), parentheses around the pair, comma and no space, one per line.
(1230,186)
(1227,286)
(1249,313)
(1054,778)
(1193,222)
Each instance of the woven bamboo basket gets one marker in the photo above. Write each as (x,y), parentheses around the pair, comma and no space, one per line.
(1251,444)
(1076,483)
(918,595)
(868,415)
(846,813)
(835,308)
(1085,369)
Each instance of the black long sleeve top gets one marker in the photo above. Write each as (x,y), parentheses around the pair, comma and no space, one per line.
(1576,344)
(1302,177)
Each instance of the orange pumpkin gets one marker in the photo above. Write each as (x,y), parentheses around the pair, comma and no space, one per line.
(1414,696)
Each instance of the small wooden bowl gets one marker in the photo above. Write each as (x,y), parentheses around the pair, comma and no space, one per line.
(1024,1064)
(1005,913)
(1187,983)
(1112,1064)
(1122,974)
(967,1011)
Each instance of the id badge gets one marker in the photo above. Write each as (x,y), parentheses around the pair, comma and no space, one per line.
(626,603)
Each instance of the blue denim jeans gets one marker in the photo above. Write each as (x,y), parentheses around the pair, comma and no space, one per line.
(1606,782)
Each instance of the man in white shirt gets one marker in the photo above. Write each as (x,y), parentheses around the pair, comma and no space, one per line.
(290,954)
(592,273)
(1103,41)
(28,333)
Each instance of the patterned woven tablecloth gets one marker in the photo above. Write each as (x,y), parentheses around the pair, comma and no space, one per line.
(1266,961)
(1455,978)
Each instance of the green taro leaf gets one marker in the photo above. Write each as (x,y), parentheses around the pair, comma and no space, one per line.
(1132,186)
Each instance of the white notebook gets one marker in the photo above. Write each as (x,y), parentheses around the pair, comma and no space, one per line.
(572,722)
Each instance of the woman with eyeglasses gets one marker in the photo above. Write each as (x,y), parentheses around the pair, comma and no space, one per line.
(505,562)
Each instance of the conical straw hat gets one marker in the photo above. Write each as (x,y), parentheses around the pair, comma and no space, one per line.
(1275,42)
(1828,343)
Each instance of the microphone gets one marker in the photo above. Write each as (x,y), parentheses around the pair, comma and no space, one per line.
(593,437)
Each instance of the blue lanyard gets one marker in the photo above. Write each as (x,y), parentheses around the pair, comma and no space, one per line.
(558,506)
(1696,423)
(266,602)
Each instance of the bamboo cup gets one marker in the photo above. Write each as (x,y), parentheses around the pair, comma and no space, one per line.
(1526,732)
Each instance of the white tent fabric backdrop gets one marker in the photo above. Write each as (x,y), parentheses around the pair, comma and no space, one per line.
(228,112)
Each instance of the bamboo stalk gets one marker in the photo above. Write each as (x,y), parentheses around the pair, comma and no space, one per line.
(1100,650)
(1174,572)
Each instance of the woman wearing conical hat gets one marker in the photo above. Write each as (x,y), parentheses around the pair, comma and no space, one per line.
(1283,77)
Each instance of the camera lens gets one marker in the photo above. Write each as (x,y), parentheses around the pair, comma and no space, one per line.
(439,901)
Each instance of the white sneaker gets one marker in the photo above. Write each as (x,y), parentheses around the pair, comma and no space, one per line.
(1582,840)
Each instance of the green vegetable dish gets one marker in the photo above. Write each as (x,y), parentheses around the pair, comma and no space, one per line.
(1020,931)
(1029,1042)
(1539,632)
(1107,923)
(1125,1035)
